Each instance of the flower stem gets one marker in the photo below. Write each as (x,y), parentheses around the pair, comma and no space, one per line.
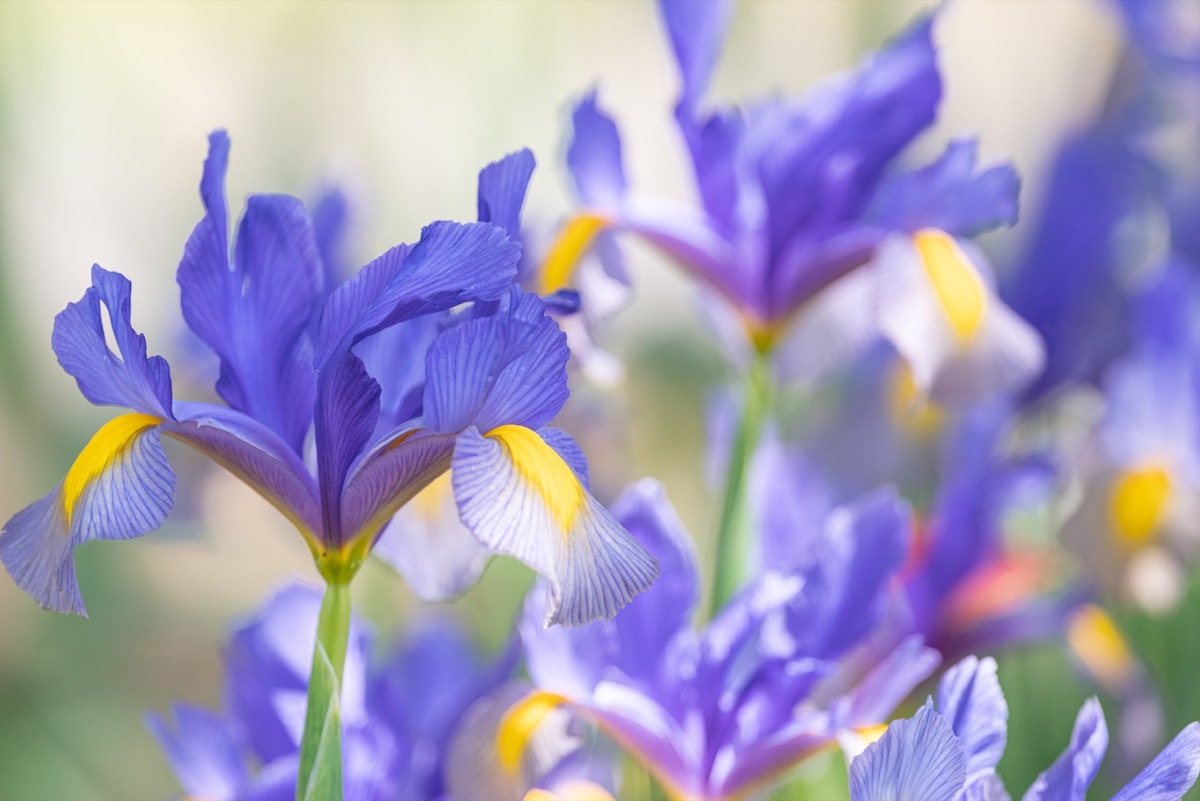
(321,749)
(734,534)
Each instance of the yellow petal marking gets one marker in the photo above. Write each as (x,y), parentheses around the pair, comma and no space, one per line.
(1137,502)
(104,448)
(956,283)
(871,734)
(1098,643)
(910,410)
(518,725)
(430,501)
(545,471)
(574,790)
(572,241)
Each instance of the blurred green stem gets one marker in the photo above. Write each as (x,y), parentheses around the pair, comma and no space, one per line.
(321,749)
(733,535)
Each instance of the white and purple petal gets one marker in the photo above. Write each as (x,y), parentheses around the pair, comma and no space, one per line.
(520,498)
(970,699)
(916,758)
(119,487)
(1171,774)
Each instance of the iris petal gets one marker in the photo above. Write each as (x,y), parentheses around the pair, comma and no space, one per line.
(916,758)
(519,498)
(122,488)
(130,379)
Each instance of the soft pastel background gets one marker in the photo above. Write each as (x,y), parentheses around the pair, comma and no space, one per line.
(104,110)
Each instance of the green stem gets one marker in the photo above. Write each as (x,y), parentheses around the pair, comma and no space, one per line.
(733,536)
(321,749)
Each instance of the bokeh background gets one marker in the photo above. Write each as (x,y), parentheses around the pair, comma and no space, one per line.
(104,112)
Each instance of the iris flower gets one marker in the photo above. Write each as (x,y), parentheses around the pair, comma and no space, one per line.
(312,429)
(796,193)
(948,751)
(774,677)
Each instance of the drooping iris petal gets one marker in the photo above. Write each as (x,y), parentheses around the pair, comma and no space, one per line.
(1071,774)
(962,343)
(970,699)
(1171,774)
(520,498)
(127,378)
(502,186)
(916,758)
(119,487)
(252,312)
(451,264)
(205,752)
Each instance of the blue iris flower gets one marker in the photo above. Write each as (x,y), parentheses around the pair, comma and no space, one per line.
(949,750)
(315,421)
(803,653)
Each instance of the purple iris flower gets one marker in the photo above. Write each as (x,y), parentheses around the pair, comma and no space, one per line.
(399,716)
(315,420)
(795,196)
(783,185)
(948,751)
(793,660)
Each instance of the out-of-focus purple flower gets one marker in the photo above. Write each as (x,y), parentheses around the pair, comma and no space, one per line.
(316,421)
(796,194)
(792,660)
(949,751)
(1135,528)
(399,716)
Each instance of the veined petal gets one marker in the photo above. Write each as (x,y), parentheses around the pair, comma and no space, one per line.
(119,487)
(1171,774)
(916,758)
(970,699)
(390,479)
(347,411)
(520,498)
(1071,774)
(506,369)
(254,311)
(130,379)
(502,186)
(962,342)
(451,264)
(256,455)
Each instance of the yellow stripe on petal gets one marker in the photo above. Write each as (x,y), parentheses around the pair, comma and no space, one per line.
(1137,502)
(1098,643)
(574,239)
(105,447)
(545,471)
(575,790)
(430,502)
(958,287)
(518,725)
